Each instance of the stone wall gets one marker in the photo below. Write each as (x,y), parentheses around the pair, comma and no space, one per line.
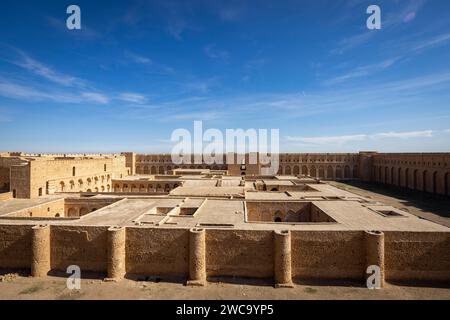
(83,246)
(417,256)
(239,253)
(78,207)
(323,255)
(47,210)
(328,254)
(15,246)
(157,251)
(36,177)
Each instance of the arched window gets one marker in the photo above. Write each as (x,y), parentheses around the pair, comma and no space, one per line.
(277,219)
(104,167)
(73,171)
(40,192)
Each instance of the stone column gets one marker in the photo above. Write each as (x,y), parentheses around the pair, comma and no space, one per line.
(197,257)
(40,250)
(375,252)
(282,259)
(116,253)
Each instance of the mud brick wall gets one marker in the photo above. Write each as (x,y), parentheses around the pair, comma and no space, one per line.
(241,253)
(157,251)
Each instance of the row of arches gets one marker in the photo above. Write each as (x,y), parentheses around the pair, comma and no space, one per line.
(145,169)
(432,181)
(73,212)
(145,188)
(99,183)
(322,172)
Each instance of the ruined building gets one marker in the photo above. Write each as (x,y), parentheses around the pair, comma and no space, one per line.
(131,214)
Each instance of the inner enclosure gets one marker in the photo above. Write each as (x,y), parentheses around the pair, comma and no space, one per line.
(290,212)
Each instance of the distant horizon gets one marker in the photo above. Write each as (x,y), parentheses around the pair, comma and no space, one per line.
(168,153)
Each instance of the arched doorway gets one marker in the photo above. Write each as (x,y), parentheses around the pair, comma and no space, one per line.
(435,182)
(407,178)
(330,172)
(415,177)
(321,172)
(313,172)
(287,170)
(346,172)
(424,181)
(447,176)
(305,170)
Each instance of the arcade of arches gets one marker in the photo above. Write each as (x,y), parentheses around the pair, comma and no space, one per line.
(428,172)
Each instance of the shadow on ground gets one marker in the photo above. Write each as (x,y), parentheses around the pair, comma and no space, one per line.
(436,204)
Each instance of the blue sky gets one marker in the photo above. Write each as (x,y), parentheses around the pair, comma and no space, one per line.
(137,70)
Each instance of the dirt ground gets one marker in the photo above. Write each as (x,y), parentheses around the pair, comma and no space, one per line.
(427,206)
(22,287)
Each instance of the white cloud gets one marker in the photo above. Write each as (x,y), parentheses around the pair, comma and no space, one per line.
(139,59)
(431,43)
(340,140)
(46,72)
(28,93)
(132,97)
(95,97)
(405,135)
(363,71)
(327,140)
(18,91)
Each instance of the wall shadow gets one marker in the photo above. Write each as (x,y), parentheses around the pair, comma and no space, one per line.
(437,204)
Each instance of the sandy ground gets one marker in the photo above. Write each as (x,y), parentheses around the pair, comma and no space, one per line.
(431,207)
(20,287)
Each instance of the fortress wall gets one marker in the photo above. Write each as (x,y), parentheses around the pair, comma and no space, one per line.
(4,178)
(157,251)
(427,172)
(417,255)
(328,254)
(15,246)
(46,210)
(410,256)
(20,181)
(78,207)
(242,253)
(84,246)
(6,162)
